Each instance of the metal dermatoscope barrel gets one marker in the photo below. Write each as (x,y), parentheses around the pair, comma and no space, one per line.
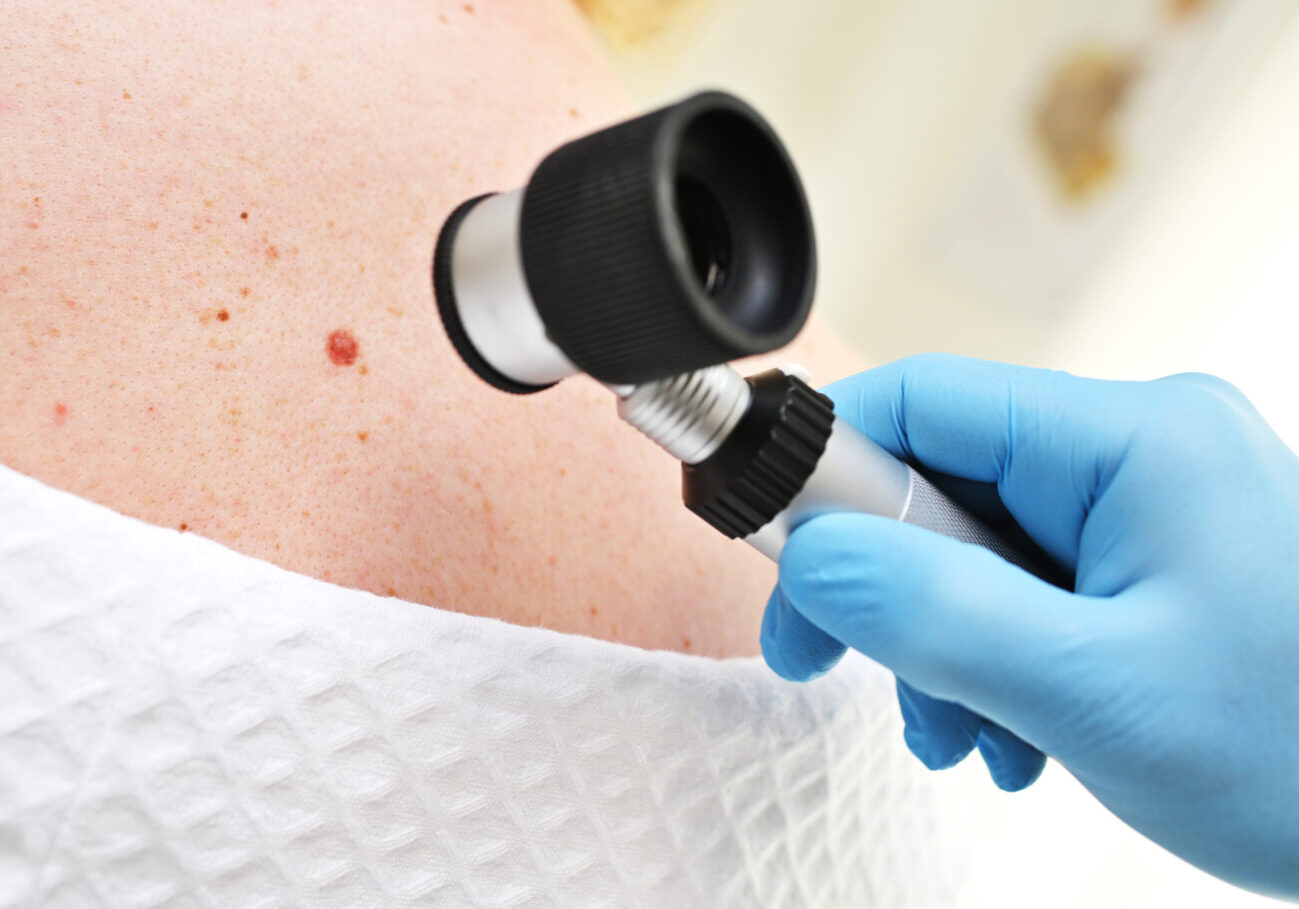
(647,255)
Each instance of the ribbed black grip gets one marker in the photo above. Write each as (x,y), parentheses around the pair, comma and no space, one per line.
(766,460)
(612,270)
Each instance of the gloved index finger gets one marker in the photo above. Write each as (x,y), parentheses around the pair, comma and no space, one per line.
(1046,439)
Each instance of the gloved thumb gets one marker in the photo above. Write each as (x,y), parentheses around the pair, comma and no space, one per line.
(954,620)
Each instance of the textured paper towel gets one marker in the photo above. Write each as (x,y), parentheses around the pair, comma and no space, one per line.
(182,725)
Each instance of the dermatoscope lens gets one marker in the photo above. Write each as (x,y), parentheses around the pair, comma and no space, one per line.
(706,235)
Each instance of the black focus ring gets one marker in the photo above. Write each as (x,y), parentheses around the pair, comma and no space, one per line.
(766,460)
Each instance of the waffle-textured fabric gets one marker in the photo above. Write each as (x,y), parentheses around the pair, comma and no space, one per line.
(181,725)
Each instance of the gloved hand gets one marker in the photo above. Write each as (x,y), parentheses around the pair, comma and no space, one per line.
(1168,684)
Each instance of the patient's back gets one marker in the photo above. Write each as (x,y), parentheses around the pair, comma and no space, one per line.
(215,237)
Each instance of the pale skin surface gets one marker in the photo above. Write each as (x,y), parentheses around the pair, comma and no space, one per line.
(166,356)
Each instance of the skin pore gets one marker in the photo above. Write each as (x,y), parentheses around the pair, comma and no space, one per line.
(216,222)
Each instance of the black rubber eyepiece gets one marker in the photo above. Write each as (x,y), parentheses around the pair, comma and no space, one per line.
(674,241)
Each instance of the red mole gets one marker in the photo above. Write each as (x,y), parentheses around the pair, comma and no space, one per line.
(342,348)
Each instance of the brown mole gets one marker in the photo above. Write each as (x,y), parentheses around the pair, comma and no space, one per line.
(342,347)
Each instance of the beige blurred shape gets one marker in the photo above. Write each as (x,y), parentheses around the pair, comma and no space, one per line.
(628,25)
(1073,120)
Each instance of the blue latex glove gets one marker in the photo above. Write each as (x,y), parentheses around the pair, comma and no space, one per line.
(1168,684)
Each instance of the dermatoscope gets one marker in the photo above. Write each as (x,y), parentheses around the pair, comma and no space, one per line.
(648,255)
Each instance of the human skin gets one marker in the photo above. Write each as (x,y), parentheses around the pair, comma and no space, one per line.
(197,197)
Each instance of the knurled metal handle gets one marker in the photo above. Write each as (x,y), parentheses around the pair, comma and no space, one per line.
(928,507)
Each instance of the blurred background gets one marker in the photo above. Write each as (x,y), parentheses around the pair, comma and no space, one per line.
(1105,186)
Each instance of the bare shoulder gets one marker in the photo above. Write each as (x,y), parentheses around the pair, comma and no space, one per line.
(214,252)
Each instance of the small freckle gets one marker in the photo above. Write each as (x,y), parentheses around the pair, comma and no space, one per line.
(496,569)
(329,225)
(363,369)
(685,642)
(223,315)
(392,591)
(469,8)
(573,112)
(243,215)
(272,252)
(245,291)
(126,96)
(60,413)
(442,18)
(594,611)
(363,435)
(184,528)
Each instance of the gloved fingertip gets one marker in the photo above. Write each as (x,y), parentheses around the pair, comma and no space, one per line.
(935,752)
(938,732)
(1012,763)
(1017,777)
(793,647)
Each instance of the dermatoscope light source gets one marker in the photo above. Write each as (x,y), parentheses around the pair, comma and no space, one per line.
(647,255)
(675,241)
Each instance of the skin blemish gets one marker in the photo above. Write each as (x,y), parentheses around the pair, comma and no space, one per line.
(363,369)
(60,413)
(245,291)
(392,591)
(363,435)
(184,528)
(342,348)
(223,315)
(243,215)
(126,96)
(272,252)
(469,8)
(573,112)
(685,643)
